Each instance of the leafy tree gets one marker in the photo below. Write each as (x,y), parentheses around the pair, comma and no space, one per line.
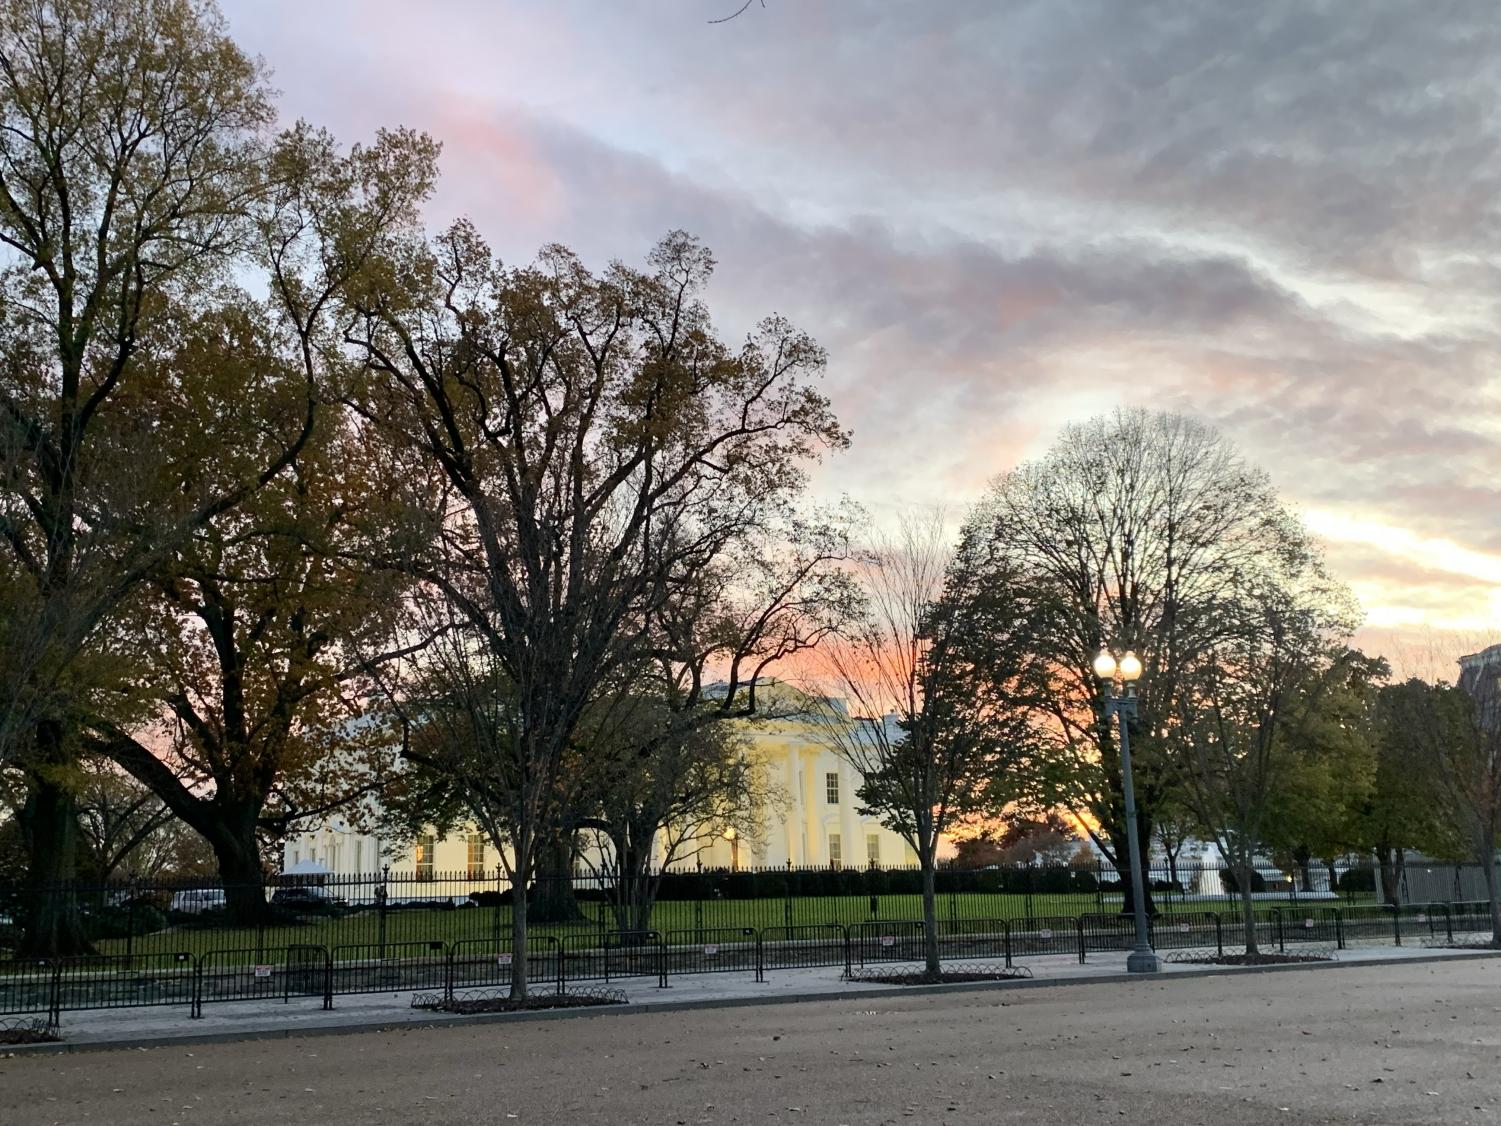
(922,719)
(1453,731)
(145,393)
(1131,531)
(1313,811)
(129,142)
(1403,808)
(265,634)
(602,447)
(1246,706)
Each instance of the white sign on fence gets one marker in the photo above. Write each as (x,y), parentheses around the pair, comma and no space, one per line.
(711,948)
(1044,933)
(262,971)
(1422,918)
(1183,927)
(888,940)
(1308,924)
(503,959)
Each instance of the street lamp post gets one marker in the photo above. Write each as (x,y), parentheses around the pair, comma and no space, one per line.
(1122,705)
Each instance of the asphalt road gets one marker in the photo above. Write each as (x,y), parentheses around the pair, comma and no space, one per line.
(1390,1044)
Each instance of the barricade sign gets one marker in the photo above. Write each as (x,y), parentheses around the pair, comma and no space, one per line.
(503,959)
(888,940)
(1045,933)
(711,948)
(262,971)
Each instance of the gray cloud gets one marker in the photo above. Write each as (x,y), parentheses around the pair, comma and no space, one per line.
(1282,216)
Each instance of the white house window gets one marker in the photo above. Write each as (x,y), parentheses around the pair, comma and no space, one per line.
(831,788)
(835,852)
(476,856)
(423,857)
(873,848)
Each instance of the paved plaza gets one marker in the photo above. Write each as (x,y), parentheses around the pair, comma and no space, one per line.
(1413,1043)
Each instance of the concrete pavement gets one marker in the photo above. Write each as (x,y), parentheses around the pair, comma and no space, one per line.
(305,1015)
(1412,1043)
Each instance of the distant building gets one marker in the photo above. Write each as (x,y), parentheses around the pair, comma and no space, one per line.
(815,822)
(1480,676)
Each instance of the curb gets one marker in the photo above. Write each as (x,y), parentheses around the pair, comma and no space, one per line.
(639,1008)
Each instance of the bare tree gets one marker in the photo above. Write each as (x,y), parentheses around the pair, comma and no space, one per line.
(663,789)
(118,820)
(925,716)
(1130,532)
(603,448)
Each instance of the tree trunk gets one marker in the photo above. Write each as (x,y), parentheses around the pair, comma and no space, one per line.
(53,925)
(1386,864)
(555,901)
(633,897)
(1243,878)
(1488,866)
(518,938)
(930,910)
(1304,860)
(1121,847)
(237,851)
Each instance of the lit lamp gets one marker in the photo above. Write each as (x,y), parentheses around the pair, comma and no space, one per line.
(1122,705)
(734,839)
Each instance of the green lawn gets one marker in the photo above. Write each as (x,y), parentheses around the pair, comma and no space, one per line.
(482,925)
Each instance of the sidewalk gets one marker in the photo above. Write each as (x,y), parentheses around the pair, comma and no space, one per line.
(144,1027)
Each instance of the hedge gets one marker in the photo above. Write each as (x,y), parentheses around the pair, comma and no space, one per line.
(822,882)
(1232,886)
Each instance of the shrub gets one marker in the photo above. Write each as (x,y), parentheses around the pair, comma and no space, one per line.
(1357,880)
(740,885)
(1232,887)
(120,921)
(491,898)
(874,881)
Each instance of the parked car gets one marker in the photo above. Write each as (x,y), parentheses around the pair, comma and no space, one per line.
(306,897)
(195,901)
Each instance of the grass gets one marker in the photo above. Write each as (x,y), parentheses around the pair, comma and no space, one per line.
(483,925)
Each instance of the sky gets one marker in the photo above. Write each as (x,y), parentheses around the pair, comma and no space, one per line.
(1001,217)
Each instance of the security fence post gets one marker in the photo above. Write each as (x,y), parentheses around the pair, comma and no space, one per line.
(661,961)
(328,979)
(1219,935)
(1006,941)
(760,959)
(448,975)
(1079,926)
(195,1007)
(55,996)
(848,965)
(1397,925)
(787,897)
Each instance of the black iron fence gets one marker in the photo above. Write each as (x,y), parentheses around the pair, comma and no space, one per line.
(389,908)
(321,972)
(185,944)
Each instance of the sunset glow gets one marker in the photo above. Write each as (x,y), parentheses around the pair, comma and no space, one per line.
(1002,218)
